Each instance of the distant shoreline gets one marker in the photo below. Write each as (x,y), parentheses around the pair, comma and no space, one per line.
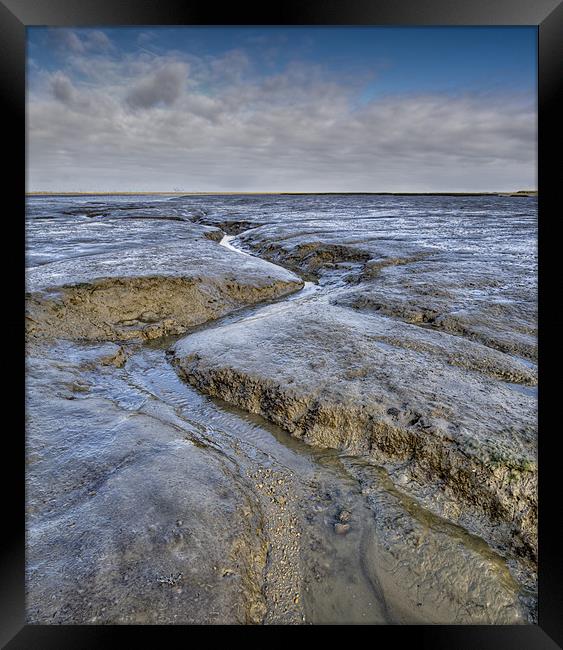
(518,193)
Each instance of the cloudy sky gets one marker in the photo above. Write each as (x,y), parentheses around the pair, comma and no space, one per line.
(281,109)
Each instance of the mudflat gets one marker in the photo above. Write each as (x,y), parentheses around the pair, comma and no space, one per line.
(283,409)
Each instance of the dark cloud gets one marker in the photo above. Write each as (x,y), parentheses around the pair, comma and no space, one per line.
(163,87)
(62,88)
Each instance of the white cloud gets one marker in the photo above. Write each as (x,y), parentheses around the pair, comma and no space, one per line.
(97,40)
(68,41)
(153,122)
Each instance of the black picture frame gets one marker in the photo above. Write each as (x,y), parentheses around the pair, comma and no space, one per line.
(547,15)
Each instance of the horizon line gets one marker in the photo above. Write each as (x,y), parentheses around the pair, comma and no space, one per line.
(227,192)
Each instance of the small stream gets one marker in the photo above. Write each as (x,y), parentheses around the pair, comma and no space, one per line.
(346,593)
(367,553)
(343,576)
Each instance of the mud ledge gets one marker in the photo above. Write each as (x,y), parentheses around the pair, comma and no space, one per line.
(283,371)
(482,484)
(150,291)
(120,309)
(329,381)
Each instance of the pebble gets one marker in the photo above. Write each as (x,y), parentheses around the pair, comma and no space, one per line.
(341,529)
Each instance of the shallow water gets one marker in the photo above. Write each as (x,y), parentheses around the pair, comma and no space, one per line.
(226,429)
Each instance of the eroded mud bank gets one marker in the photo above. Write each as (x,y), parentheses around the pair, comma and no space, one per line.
(413,500)
(148,292)
(345,386)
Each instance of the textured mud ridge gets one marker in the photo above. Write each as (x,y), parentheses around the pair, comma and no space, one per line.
(168,508)
(506,324)
(468,269)
(342,388)
(127,298)
(453,570)
(119,309)
(129,533)
(461,295)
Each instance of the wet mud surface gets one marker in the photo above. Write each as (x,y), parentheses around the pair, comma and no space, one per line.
(281,410)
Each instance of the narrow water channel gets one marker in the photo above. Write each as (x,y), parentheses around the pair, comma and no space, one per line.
(353,566)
